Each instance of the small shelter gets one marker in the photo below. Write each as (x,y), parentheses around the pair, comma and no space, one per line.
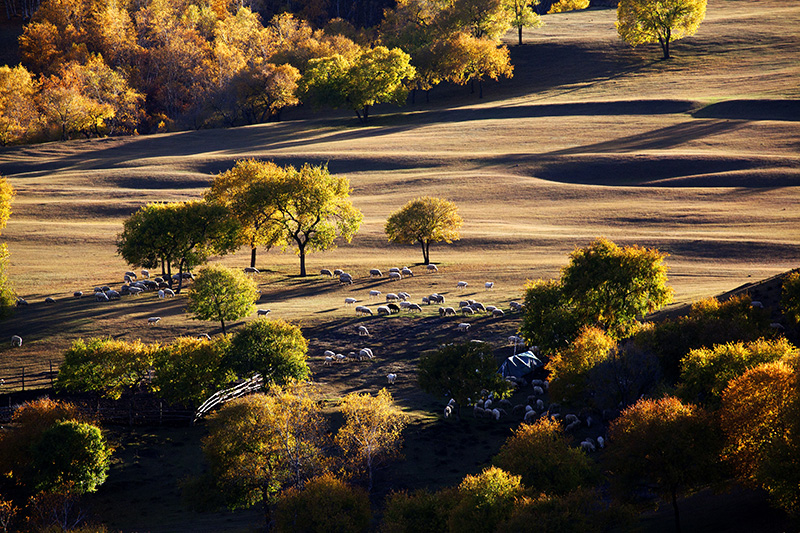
(520,365)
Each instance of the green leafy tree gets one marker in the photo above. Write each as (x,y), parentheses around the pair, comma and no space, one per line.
(485,500)
(461,371)
(662,21)
(523,15)
(275,349)
(760,417)
(549,321)
(70,455)
(540,453)
(311,206)
(376,75)
(106,366)
(255,212)
(325,504)
(261,444)
(424,220)
(179,234)
(189,370)
(372,431)
(670,445)
(220,293)
(705,372)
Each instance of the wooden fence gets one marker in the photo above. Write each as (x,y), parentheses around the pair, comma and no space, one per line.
(25,379)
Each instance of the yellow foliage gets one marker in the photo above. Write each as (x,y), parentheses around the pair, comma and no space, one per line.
(568,5)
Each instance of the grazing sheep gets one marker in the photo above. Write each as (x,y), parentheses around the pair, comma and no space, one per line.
(390,297)
(477,306)
(538,390)
(587,446)
(49,300)
(490,308)
(463,303)
(391,378)
(403,296)
(540,404)
(169,292)
(106,288)
(126,278)
(159,280)
(515,306)
(394,269)
(404,304)
(328,353)
(101,297)
(363,331)
(531,415)
(488,285)
(153,320)
(461,285)
(374,272)
(366,352)
(373,293)
(496,414)
(394,308)
(132,290)
(263,312)
(383,310)
(448,411)
(326,272)
(572,426)
(432,268)
(113,294)
(338,272)
(340,357)
(407,272)
(78,294)
(426,300)
(251,270)
(757,304)
(349,301)
(436,298)
(498,313)
(478,411)
(345,278)
(463,326)
(328,361)
(487,404)
(601,442)
(394,276)
(448,311)
(146,274)
(363,310)
(414,307)
(161,293)
(467,311)
(16,340)
(517,341)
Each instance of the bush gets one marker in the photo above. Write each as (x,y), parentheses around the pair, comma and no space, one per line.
(484,500)
(579,511)
(540,453)
(706,372)
(274,348)
(418,512)
(326,504)
(569,367)
(190,370)
(108,367)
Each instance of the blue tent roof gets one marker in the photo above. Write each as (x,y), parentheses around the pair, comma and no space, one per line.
(520,365)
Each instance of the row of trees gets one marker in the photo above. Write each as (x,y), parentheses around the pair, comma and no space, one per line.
(7,296)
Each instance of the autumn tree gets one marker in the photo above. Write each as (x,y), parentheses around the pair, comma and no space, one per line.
(548,322)
(372,431)
(569,367)
(423,221)
(240,190)
(179,234)
(662,21)
(310,206)
(760,417)
(470,59)
(484,500)
(461,371)
(326,504)
(563,6)
(790,297)
(7,295)
(541,454)
(190,369)
(667,444)
(18,114)
(57,34)
(705,372)
(489,19)
(523,15)
(376,75)
(275,349)
(220,293)
(261,444)
(66,106)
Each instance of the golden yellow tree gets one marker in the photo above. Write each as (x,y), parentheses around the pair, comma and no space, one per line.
(372,431)
(661,21)
(563,6)
(18,112)
(424,220)
(7,297)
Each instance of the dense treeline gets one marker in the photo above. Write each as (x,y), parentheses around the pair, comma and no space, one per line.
(93,68)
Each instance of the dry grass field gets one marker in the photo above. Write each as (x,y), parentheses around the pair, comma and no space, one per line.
(698,156)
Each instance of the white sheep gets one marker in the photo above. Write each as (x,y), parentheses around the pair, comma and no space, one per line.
(478,411)
(146,274)
(366,352)
(467,311)
(403,296)
(426,300)
(517,341)
(496,414)
(102,297)
(78,294)
(375,272)
(538,390)
(530,415)
(373,293)
(383,310)
(490,308)
(349,301)
(16,340)
(340,357)
(345,278)
(601,442)
(404,304)
(406,272)
(363,310)
(169,292)
(112,294)
(251,270)
(498,313)
(263,312)
(391,378)
(436,298)
(414,307)
(363,331)
(515,306)
(153,320)
(587,446)
(131,274)
(21,302)
(161,293)
(133,290)
(394,269)
(488,285)
(757,304)
(338,272)
(487,404)
(328,353)
(447,311)
(325,272)
(477,306)
(540,405)
(432,268)
(390,297)
(463,326)
(328,361)
(49,300)
(461,285)
(448,411)
(394,276)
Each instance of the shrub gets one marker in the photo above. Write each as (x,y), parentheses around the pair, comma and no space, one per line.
(576,512)
(540,453)
(484,500)
(569,367)
(706,372)
(418,512)
(274,348)
(325,504)
(190,370)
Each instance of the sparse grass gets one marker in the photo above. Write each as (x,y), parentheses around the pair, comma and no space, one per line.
(591,138)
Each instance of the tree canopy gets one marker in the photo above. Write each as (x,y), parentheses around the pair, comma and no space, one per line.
(424,220)
(275,349)
(661,21)
(220,293)
(7,295)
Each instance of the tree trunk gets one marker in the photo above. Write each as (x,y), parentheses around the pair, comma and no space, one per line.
(222,321)
(424,252)
(427,252)
(675,509)
(520,34)
(253,257)
(366,114)
(302,250)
